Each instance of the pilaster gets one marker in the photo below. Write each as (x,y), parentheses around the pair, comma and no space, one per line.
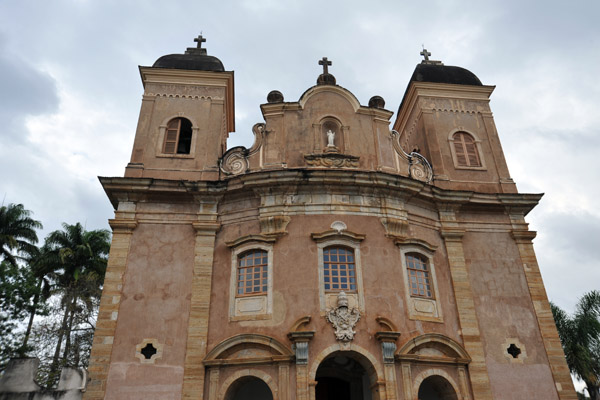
(110,301)
(194,370)
(465,303)
(541,307)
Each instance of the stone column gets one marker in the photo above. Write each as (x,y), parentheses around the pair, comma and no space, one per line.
(388,350)
(194,370)
(543,313)
(284,382)
(300,340)
(213,385)
(106,324)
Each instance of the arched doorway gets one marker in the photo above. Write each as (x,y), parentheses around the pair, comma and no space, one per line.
(436,387)
(249,388)
(341,376)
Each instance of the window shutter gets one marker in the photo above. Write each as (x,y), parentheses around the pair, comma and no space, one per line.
(461,157)
(171,136)
(466,150)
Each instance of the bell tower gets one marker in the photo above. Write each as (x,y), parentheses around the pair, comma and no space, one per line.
(186,115)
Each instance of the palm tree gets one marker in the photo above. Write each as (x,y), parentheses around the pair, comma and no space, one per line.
(580,338)
(17,232)
(75,259)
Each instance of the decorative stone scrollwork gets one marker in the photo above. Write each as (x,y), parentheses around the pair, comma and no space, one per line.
(260,131)
(418,166)
(235,161)
(334,160)
(343,319)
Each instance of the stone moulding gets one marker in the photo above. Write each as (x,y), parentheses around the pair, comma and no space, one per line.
(332,160)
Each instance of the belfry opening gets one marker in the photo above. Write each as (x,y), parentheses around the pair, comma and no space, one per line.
(343,375)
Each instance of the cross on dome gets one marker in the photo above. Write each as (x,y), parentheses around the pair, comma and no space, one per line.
(324,62)
(200,39)
(425,54)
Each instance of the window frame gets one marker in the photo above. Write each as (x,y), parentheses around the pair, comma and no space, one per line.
(419,272)
(263,270)
(236,312)
(416,305)
(477,143)
(328,299)
(331,270)
(162,138)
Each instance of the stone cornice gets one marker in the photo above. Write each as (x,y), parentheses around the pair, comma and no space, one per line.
(131,189)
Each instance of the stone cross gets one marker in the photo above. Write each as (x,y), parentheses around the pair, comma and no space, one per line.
(324,62)
(425,54)
(199,40)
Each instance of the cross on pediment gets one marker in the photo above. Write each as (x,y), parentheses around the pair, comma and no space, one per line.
(325,63)
(425,54)
(199,40)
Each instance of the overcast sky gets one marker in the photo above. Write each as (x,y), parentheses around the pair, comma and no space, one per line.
(71,92)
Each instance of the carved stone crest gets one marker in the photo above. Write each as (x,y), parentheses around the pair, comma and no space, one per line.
(343,319)
(334,160)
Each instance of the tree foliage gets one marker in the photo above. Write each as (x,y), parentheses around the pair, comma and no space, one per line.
(580,337)
(49,296)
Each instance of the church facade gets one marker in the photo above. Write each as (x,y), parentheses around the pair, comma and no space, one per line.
(349,253)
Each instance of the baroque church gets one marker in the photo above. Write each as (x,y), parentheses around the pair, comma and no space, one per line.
(350,253)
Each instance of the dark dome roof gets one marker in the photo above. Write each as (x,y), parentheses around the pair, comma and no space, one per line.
(194,58)
(200,62)
(439,73)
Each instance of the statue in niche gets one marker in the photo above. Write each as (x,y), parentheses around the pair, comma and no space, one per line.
(343,319)
(330,138)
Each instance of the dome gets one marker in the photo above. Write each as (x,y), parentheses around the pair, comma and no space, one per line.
(194,58)
(439,73)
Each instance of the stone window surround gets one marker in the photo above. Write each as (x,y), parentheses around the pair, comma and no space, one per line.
(425,250)
(235,302)
(345,239)
(162,131)
(477,145)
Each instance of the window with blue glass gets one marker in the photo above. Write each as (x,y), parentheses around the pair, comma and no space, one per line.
(339,269)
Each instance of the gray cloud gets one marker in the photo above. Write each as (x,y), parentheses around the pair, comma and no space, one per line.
(539,56)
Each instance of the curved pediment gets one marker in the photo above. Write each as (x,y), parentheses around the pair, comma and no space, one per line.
(248,347)
(434,347)
(327,90)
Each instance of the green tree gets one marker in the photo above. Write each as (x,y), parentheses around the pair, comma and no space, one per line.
(580,338)
(17,283)
(75,259)
(17,232)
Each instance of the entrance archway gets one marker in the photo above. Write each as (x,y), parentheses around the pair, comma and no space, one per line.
(342,376)
(436,387)
(249,388)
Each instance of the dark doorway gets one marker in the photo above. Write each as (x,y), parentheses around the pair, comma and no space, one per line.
(436,387)
(340,377)
(249,388)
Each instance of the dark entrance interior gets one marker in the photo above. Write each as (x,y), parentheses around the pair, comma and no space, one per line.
(436,388)
(341,377)
(249,388)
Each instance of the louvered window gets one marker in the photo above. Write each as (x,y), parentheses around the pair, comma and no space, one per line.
(465,149)
(178,137)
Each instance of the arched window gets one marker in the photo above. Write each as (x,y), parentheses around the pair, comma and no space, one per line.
(465,149)
(252,273)
(339,269)
(178,137)
(419,276)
